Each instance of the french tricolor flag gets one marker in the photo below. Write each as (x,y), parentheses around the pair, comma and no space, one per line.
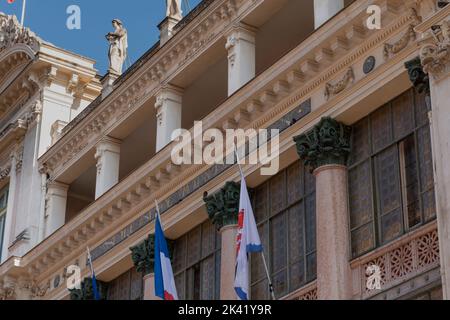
(247,241)
(164,280)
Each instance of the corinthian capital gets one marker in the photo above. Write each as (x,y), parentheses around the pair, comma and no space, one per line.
(435,55)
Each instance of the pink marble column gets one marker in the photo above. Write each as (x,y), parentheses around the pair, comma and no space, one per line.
(149,287)
(334,280)
(228,262)
(325,150)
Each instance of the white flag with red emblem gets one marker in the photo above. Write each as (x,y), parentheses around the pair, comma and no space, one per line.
(248,241)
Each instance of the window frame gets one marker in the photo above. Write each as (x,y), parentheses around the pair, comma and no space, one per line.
(398,143)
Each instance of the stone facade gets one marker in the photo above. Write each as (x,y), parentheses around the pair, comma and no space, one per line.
(79,152)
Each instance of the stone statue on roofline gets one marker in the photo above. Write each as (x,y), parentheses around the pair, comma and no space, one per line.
(118,47)
(174,9)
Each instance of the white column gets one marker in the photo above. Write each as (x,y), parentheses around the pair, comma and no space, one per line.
(9,210)
(241,57)
(168,114)
(55,213)
(108,160)
(325,9)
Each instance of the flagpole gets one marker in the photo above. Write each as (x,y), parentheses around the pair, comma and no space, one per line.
(272,291)
(24,4)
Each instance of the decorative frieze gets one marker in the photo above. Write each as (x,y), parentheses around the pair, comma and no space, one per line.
(327,143)
(223,206)
(341,85)
(409,36)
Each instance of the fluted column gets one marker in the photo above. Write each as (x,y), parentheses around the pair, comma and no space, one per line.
(241,47)
(325,150)
(108,161)
(223,210)
(435,71)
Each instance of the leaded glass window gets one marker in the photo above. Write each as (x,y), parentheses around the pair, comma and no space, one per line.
(3,206)
(284,209)
(128,286)
(196,263)
(391,187)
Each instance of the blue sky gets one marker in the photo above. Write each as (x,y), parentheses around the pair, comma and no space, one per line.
(48,19)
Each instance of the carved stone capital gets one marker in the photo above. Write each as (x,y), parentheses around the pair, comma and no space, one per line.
(223,206)
(86,291)
(327,143)
(435,56)
(143,254)
(418,77)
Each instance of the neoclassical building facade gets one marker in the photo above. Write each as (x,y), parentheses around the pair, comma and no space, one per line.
(359,208)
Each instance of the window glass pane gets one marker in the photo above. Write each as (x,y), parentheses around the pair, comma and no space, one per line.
(136,285)
(180,284)
(429,205)
(363,240)
(207,278)
(280,284)
(391,226)
(310,223)
(425,158)
(296,232)
(257,266)
(421,110)
(261,199)
(388,180)
(208,239)
(194,245)
(311,267)
(260,290)
(277,193)
(296,275)
(411,181)
(402,110)
(278,242)
(360,141)
(381,124)
(295,183)
(360,194)
(179,254)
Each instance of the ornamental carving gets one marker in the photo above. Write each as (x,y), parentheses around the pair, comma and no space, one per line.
(403,262)
(11,33)
(86,292)
(341,85)
(435,56)
(327,143)
(409,36)
(417,76)
(223,206)
(143,255)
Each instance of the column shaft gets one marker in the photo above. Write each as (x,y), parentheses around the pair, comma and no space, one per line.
(228,262)
(241,47)
(55,213)
(108,160)
(333,256)
(325,9)
(168,113)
